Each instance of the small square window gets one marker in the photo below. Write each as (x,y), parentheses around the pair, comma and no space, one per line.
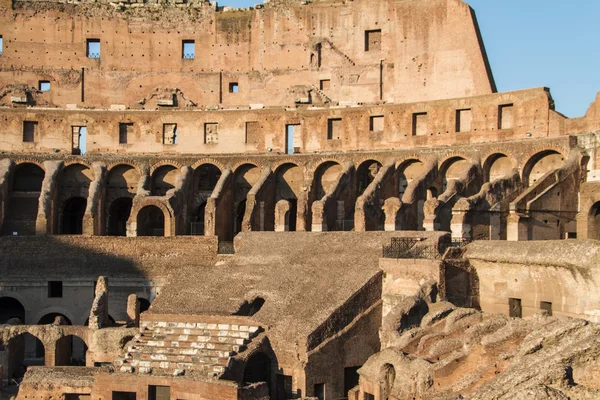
(373,40)
(515,309)
(334,129)
(93,48)
(505,116)
(376,123)
(325,84)
(44,86)
(252,132)
(29,131)
(55,289)
(547,306)
(419,124)
(125,129)
(159,392)
(320,391)
(233,87)
(211,133)
(188,49)
(169,133)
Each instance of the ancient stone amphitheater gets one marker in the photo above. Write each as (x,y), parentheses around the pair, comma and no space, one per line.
(319,199)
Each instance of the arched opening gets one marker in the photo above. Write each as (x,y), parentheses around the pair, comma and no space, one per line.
(206,177)
(72,216)
(245,177)
(197,224)
(365,174)
(144,304)
(23,199)
(150,222)
(432,193)
(407,172)
(70,350)
(594,222)
(11,308)
(239,216)
(22,353)
(453,169)
(289,181)
(28,178)
(258,369)
(123,179)
(540,164)
(497,166)
(118,215)
(326,176)
(387,378)
(163,179)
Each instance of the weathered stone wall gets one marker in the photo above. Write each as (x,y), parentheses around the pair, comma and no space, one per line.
(277,53)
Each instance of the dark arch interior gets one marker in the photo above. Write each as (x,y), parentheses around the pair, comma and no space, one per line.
(28,178)
(292,215)
(249,308)
(24,351)
(206,177)
(151,222)
(258,369)
(197,226)
(144,304)
(72,217)
(239,216)
(11,308)
(118,214)
(366,174)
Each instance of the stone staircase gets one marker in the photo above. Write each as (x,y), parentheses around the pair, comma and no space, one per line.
(174,348)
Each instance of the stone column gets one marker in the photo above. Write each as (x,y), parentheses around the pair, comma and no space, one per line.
(282,217)
(46,209)
(92,218)
(390,209)
(133,311)
(5,168)
(99,312)
(518,227)
(319,223)
(459,226)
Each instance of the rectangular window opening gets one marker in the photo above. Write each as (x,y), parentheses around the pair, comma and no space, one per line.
(320,391)
(93,48)
(77,396)
(44,86)
(325,84)
(125,131)
(546,306)
(350,378)
(463,120)
(55,289)
(78,134)
(169,133)
(29,131)
(373,40)
(1,45)
(159,392)
(419,124)
(515,309)
(376,123)
(334,129)
(233,87)
(368,396)
(211,133)
(123,395)
(505,116)
(188,49)
(291,133)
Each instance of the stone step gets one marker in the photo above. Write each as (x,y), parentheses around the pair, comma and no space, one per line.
(179,352)
(198,365)
(180,341)
(198,332)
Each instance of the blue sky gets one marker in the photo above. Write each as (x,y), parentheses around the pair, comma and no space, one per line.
(532,43)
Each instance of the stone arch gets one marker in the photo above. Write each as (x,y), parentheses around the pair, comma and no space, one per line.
(452,168)
(205,177)
(24,188)
(594,222)
(289,182)
(496,166)
(23,349)
(151,221)
(169,223)
(246,176)
(212,161)
(387,377)
(11,308)
(325,177)
(541,163)
(122,183)
(365,174)
(74,181)
(72,213)
(407,171)
(144,304)
(163,179)
(70,350)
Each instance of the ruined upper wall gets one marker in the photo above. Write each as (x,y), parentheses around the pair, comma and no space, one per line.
(278,54)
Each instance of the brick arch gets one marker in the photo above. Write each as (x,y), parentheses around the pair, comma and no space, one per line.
(76,160)
(238,164)
(132,163)
(534,157)
(53,310)
(19,298)
(448,157)
(364,159)
(212,161)
(315,165)
(489,160)
(168,214)
(162,163)
(21,161)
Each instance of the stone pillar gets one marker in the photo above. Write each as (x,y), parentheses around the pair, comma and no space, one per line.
(92,218)
(282,217)
(390,209)
(430,210)
(518,227)
(5,167)
(133,311)
(44,222)
(459,226)
(496,230)
(99,312)
(319,223)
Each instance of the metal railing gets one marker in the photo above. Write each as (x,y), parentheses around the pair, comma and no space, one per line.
(93,55)
(189,56)
(226,248)
(405,248)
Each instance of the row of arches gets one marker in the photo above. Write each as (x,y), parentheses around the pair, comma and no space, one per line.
(290,183)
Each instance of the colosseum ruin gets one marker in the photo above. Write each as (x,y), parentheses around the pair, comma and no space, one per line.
(318,199)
